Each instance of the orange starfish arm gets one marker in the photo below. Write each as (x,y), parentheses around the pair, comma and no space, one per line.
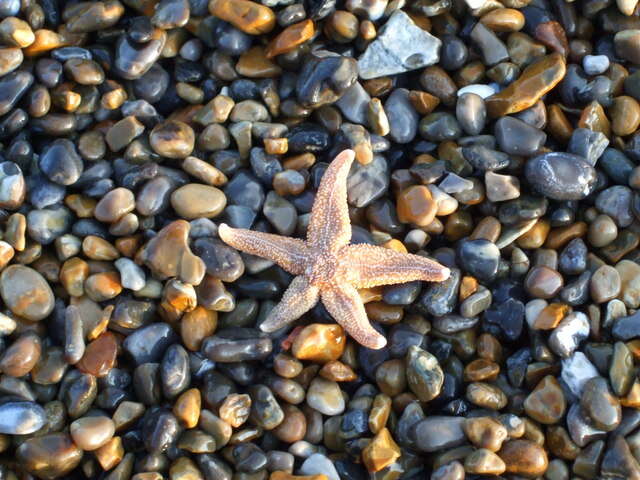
(297,300)
(345,306)
(329,225)
(369,266)
(289,253)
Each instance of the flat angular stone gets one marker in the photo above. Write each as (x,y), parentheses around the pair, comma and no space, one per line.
(401,46)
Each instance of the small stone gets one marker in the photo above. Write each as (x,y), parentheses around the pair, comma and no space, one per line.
(424,375)
(546,403)
(115,205)
(516,137)
(21,418)
(381,452)
(319,343)
(49,456)
(168,254)
(471,112)
(172,139)
(12,186)
(235,409)
(26,292)
(123,132)
(523,457)
(248,16)
(536,80)
(325,396)
(90,433)
(195,201)
(484,462)
(485,432)
(318,464)
(290,38)
(568,335)
(438,432)
(576,370)
(501,188)
(61,163)
(400,46)
(605,284)
(600,405)
(588,144)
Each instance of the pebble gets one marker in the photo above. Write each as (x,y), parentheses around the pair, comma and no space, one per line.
(21,418)
(576,370)
(600,405)
(524,457)
(516,137)
(61,163)
(536,80)
(560,176)
(400,46)
(49,456)
(26,292)
(318,464)
(91,433)
(438,432)
(325,396)
(569,334)
(195,200)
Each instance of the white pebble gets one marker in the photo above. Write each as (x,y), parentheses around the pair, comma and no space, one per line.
(576,370)
(318,464)
(595,64)
(473,4)
(567,336)
(479,89)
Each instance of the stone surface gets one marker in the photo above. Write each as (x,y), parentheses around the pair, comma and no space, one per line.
(400,46)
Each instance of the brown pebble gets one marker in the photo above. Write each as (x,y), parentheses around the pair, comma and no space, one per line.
(525,458)
(90,433)
(294,426)
(100,355)
(319,343)
(290,38)
(235,409)
(195,200)
(543,282)
(546,403)
(625,115)
(110,454)
(248,16)
(172,139)
(381,451)
(22,355)
(503,20)
(485,432)
(416,205)
(187,408)
(533,83)
(49,456)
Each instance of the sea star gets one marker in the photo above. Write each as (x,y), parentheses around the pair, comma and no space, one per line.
(327,266)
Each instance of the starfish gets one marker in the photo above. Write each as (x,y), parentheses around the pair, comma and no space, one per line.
(327,266)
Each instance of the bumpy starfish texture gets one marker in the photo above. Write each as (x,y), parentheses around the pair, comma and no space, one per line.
(327,267)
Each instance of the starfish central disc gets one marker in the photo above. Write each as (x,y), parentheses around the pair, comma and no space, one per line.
(327,268)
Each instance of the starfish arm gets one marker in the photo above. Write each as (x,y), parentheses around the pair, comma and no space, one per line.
(369,266)
(345,306)
(290,253)
(329,225)
(298,299)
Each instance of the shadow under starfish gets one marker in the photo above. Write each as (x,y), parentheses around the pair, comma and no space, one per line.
(327,267)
